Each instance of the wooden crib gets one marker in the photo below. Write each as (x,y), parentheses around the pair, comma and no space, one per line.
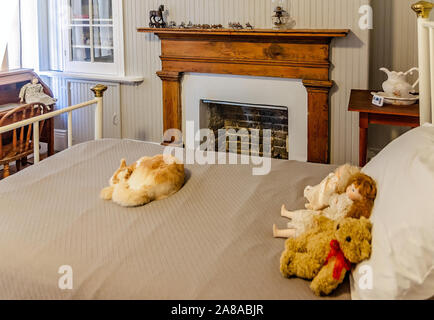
(35,120)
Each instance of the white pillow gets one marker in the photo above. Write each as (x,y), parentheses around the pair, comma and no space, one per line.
(402,260)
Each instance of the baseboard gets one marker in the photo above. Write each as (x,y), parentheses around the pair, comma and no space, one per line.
(60,139)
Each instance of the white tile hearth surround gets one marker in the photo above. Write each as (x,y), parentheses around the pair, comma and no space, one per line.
(254,90)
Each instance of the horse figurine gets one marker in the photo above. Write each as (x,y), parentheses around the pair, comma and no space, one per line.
(156,18)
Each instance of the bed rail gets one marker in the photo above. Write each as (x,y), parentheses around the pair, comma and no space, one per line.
(426,60)
(98,91)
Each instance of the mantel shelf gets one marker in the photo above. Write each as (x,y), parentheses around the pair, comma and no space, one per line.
(292,33)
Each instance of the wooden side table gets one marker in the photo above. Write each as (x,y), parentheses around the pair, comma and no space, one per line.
(361,101)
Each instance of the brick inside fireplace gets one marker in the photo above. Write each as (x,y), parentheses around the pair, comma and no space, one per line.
(224,115)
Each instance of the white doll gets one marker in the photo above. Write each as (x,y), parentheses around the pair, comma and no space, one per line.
(34,92)
(336,182)
(357,201)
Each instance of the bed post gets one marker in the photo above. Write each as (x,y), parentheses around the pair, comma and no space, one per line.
(99,90)
(425,41)
(35,141)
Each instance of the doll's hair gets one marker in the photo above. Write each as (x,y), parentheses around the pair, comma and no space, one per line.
(365,184)
(368,190)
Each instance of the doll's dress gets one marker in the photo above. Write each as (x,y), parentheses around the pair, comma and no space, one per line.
(34,93)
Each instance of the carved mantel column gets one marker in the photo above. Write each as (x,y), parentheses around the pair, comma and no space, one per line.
(172,110)
(318,124)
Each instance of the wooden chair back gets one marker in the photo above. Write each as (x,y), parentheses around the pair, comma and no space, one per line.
(22,143)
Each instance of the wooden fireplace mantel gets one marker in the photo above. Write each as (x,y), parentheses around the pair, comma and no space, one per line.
(294,54)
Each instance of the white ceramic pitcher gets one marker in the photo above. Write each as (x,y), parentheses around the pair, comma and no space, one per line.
(397,85)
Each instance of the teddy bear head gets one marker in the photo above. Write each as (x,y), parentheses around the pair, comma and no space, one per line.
(354,237)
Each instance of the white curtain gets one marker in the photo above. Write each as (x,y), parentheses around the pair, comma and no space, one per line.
(10,35)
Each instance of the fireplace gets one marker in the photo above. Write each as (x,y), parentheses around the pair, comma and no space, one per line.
(290,54)
(235,121)
(212,101)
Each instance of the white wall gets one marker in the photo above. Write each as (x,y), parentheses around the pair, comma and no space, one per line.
(394,38)
(142,104)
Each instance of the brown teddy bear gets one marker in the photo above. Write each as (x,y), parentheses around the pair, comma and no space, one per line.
(326,252)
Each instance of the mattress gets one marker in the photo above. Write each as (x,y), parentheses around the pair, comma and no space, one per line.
(211,240)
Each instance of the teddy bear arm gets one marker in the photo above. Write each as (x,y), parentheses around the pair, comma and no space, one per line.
(319,247)
(298,244)
(324,283)
(293,246)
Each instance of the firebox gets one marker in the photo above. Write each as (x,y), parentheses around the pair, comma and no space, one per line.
(235,121)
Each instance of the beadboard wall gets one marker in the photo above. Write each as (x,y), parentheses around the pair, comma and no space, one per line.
(394,46)
(141,105)
(394,38)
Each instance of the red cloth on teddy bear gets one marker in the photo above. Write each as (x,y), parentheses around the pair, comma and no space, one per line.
(341,261)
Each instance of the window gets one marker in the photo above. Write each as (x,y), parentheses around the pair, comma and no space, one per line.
(21,39)
(94,37)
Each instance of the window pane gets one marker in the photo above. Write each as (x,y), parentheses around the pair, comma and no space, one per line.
(80,36)
(104,55)
(92,31)
(80,43)
(81,54)
(103,37)
(80,10)
(103,44)
(102,11)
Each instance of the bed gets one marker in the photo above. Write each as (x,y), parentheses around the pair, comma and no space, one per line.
(211,240)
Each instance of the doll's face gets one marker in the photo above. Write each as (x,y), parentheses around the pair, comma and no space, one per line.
(353,193)
(35,81)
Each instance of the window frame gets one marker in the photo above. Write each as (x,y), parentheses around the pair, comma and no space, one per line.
(115,68)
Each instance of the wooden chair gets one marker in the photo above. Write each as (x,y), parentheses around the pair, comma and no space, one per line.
(22,142)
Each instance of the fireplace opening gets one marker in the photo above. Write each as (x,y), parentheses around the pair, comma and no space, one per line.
(239,119)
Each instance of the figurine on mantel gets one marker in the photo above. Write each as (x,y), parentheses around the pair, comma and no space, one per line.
(33,92)
(156,18)
(249,26)
(281,18)
(236,25)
